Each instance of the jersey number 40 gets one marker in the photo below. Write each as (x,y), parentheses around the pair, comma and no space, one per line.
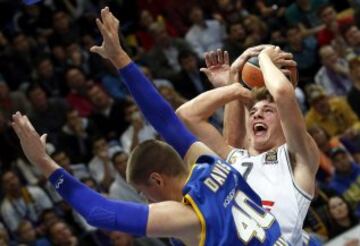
(250,219)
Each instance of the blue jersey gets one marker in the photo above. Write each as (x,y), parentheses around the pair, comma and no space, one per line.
(229,211)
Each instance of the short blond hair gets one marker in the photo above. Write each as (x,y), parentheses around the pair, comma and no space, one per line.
(153,156)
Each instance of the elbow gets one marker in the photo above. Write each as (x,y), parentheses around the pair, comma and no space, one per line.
(184,113)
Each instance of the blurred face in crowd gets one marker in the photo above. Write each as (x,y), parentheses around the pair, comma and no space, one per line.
(75,79)
(38,99)
(353,36)
(121,239)
(294,36)
(355,72)
(130,111)
(160,35)
(61,234)
(32,10)
(146,18)
(120,163)
(26,232)
(63,160)
(328,15)
(61,22)
(196,15)
(48,218)
(189,63)
(59,53)
(146,71)
(73,120)
(4,91)
(237,32)
(98,97)
(3,123)
(21,44)
(100,145)
(45,69)
(328,55)
(223,4)
(11,183)
(320,137)
(342,163)
(322,106)
(303,4)
(338,208)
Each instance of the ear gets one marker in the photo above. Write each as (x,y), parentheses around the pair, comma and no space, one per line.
(156,179)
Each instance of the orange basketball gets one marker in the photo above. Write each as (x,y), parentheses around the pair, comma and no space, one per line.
(251,74)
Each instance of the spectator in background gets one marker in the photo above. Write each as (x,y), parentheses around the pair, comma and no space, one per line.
(333,25)
(64,30)
(162,58)
(78,84)
(138,131)
(27,235)
(49,78)
(4,237)
(204,35)
(346,180)
(256,29)
(230,10)
(120,189)
(303,13)
(112,83)
(100,166)
(61,234)
(108,115)
(78,170)
(75,136)
(334,75)
(49,114)
(333,114)
(353,96)
(304,50)
(235,38)
(21,201)
(12,101)
(352,38)
(341,215)
(190,82)
(143,34)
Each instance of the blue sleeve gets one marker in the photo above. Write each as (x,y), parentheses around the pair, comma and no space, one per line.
(98,210)
(156,110)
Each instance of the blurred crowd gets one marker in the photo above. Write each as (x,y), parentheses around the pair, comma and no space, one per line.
(78,99)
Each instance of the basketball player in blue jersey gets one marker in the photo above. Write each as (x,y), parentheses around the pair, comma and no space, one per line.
(219,207)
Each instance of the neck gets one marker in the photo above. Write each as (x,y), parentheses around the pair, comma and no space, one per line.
(345,222)
(15,194)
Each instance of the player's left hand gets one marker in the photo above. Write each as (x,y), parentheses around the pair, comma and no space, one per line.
(217,67)
(32,144)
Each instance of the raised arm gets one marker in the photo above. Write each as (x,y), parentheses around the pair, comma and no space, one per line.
(195,114)
(156,220)
(156,110)
(299,142)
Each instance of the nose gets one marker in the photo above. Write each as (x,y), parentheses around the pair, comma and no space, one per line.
(258,114)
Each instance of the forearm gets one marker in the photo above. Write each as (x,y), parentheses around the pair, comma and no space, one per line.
(275,81)
(156,110)
(234,130)
(96,209)
(203,106)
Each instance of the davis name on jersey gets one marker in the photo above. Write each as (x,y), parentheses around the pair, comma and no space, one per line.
(229,210)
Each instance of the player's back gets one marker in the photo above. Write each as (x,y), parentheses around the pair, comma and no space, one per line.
(229,210)
(270,176)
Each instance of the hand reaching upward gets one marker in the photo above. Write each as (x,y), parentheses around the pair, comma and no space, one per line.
(110,48)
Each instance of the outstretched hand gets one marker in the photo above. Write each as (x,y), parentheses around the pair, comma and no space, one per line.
(31,142)
(110,48)
(217,67)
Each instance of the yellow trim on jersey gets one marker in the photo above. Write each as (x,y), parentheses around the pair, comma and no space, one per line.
(188,200)
(190,173)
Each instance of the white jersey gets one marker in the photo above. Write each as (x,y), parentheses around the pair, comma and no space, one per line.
(270,176)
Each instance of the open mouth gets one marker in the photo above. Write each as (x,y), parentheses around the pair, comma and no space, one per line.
(259,129)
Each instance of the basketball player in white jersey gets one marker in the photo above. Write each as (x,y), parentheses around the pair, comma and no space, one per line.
(277,156)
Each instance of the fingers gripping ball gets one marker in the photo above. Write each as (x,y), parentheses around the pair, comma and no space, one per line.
(30,2)
(251,74)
